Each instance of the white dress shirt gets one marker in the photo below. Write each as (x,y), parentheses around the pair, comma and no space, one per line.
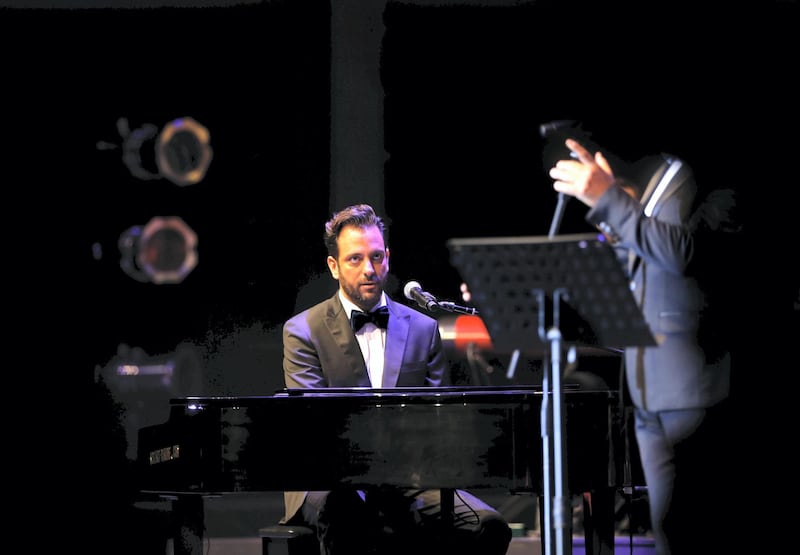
(372,341)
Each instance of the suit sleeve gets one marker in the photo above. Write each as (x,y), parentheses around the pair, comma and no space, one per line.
(301,364)
(438,374)
(666,241)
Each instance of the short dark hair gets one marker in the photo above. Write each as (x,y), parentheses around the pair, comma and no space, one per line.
(359,215)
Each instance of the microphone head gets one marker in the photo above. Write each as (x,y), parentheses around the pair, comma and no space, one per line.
(547,130)
(409,287)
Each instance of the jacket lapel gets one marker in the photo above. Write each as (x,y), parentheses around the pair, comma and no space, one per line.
(396,338)
(672,187)
(653,183)
(352,366)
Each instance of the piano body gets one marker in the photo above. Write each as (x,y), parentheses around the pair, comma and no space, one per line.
(313,439)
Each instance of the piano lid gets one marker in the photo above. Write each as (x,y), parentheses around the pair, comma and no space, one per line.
(370,394)
(455,436)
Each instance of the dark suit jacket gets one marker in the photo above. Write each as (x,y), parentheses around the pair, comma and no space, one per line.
(687,369)
(320,350)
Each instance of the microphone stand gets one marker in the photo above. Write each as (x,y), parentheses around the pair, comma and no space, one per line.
(558,215)
(448,306)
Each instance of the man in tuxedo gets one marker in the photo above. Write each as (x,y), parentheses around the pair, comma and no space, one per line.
(360,337)
(680,245)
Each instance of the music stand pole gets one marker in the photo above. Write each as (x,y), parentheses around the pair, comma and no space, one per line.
(562,513)
(546,423)
(557,506)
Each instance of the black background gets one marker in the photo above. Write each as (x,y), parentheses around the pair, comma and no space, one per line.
(466,90)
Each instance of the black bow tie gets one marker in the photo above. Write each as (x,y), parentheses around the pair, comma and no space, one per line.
(379,317)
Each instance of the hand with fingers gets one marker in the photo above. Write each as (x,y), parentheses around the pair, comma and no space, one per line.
(584,176)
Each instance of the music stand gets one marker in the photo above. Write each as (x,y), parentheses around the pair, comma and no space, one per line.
(534,294)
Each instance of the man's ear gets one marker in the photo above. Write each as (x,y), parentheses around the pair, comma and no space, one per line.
(333,266)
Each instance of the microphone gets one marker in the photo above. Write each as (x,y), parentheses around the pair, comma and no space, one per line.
(413,291)
(551,128)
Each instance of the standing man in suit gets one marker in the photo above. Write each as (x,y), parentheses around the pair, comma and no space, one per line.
(679,388)
(359,337)
(680,245)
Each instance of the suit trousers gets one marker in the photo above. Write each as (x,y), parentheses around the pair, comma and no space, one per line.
(686,460)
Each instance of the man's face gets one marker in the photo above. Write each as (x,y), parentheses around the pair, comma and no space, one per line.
(362,266)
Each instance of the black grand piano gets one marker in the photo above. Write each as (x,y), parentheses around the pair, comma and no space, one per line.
(311,439)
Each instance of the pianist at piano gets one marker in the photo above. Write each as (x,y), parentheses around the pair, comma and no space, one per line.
(408,430)
(325,347)
(496,423)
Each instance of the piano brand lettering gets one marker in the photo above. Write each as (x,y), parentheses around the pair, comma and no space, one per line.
(165,454)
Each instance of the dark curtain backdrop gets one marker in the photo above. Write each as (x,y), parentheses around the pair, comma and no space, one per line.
(257,77)
(466,89)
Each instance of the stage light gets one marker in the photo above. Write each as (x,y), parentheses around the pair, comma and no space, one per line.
(163,251)
(181,152)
